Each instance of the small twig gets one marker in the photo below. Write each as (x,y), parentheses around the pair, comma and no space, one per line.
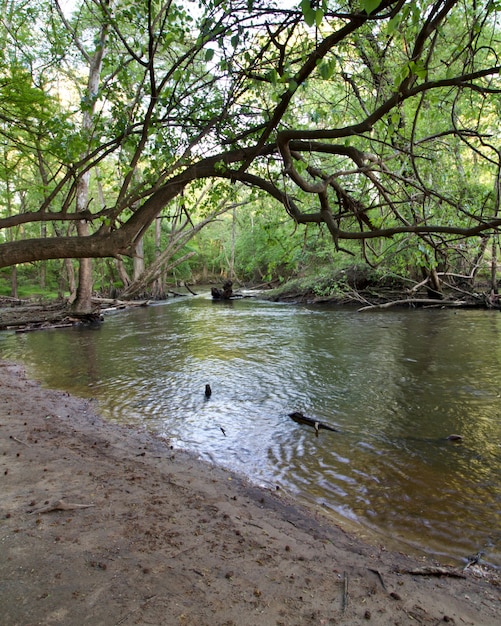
(127,615)
(379,575)
(473,560)
(59,505)
(19,441)
(345,592)
(432,571)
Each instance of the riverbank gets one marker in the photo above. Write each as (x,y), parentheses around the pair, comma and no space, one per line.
(354,286)
(106,525)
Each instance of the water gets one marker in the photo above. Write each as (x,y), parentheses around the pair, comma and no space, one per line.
(395,383)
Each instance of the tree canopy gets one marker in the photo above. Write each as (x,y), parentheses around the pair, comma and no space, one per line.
(378,119)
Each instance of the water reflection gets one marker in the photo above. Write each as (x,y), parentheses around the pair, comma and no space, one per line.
(395,383)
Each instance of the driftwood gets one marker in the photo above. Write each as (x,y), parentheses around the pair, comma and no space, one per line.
(415,301)
(298,417)
(47,326)
(186,286)
(177,294)
(114,302)
(345,592)
(432,571)
(223,294)
(36,316)
(15,317)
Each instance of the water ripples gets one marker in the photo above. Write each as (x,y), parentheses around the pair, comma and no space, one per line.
(395,384)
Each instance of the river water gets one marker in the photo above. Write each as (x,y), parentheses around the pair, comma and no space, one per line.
(395,384)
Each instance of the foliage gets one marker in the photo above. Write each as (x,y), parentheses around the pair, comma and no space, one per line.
(374,122)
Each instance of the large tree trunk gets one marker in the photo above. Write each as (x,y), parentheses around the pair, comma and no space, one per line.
(138,260)
(83,301)
(494,265)
(159,283)
(495,238)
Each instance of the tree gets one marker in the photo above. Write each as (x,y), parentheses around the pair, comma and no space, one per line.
(350,114)
(94,61)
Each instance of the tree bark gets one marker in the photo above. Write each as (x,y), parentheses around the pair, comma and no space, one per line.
(83,301)
(494,265)
(70,273)
(138,260)
(13,282)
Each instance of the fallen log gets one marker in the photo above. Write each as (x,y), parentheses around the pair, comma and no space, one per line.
(19,330)
(415,301)
(298,417)
(189,289)
(115,302)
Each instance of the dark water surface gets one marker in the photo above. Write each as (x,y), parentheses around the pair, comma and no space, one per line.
(396,384)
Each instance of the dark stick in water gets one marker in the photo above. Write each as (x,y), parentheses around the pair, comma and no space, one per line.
(298,417)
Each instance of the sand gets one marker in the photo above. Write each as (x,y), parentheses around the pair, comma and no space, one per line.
(106,525)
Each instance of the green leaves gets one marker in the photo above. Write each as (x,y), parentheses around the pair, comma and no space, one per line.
(327,68)
(418,68)
(312,16)
(370,6)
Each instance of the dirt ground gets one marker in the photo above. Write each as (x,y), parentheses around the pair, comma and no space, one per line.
(105,525)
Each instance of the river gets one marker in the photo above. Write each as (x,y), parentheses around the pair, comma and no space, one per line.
(395,384)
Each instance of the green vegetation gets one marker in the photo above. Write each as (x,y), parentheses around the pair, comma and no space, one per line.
(184,141)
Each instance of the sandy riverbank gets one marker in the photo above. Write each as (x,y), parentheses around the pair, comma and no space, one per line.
(108,526)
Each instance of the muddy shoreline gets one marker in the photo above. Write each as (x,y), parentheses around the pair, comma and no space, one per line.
(102,524)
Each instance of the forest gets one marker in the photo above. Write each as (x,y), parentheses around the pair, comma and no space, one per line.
(150,143)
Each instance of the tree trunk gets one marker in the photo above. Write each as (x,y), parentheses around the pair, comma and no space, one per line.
(138,260)
(158,285)
(433,286)
(43,264)
(495,238)
(122,272)
(13,282)
(70,274)
(83,301)
(233,240)
(494,265)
